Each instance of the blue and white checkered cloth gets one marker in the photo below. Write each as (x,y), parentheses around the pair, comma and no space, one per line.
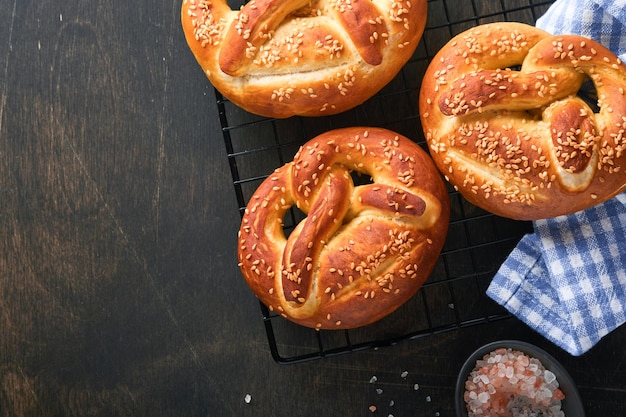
(567,280)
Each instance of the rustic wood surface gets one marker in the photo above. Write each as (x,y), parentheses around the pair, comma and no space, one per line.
(119,289)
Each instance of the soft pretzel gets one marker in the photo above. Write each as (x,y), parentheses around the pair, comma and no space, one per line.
(502,115)
(362,250)
(280,58)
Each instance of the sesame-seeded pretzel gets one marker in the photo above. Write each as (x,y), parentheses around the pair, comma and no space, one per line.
(362,250)
(502,111)
(280,58)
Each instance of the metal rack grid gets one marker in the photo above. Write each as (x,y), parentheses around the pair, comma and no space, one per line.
(477,243)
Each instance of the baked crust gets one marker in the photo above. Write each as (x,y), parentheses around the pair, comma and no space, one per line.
(500,110)
(362,250)
(279,58)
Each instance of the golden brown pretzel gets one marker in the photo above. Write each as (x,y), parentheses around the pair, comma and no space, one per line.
(362,250)
(280,58)
(500,111)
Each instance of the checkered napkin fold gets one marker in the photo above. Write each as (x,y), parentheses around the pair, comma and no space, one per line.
(567,280)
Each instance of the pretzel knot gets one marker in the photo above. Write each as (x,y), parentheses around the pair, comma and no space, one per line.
(505,116)
(280,58)
(361,251)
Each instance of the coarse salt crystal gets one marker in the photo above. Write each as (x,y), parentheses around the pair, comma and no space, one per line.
(523,361)
(483,397)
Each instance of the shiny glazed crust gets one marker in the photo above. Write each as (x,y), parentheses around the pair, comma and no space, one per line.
(280,58)
(362,250)
(502,115)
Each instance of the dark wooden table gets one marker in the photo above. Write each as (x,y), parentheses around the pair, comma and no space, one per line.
(119,287)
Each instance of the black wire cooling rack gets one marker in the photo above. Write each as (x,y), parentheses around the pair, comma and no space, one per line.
(477,243)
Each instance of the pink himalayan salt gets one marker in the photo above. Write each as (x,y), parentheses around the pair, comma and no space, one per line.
(509,383)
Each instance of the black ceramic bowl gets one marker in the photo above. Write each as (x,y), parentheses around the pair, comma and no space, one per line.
(571,405)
